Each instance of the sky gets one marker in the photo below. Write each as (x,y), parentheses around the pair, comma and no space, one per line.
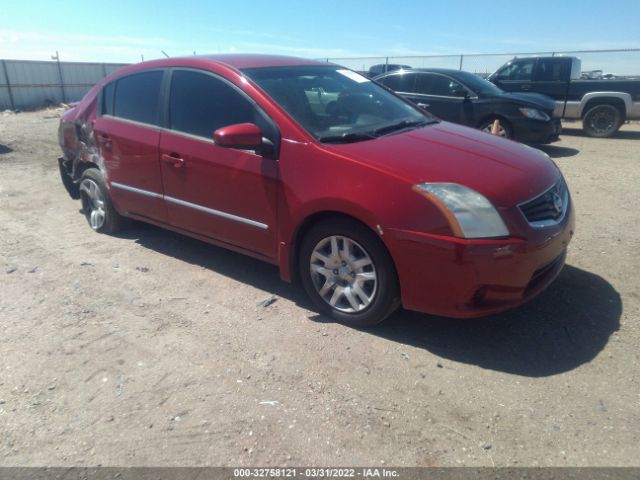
(126,31)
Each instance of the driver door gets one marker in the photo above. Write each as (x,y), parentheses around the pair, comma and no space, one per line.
(222,193)
(440,95)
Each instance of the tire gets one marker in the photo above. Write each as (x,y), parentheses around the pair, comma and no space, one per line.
(359,289)
(505,127)
(602,121)
(96,203)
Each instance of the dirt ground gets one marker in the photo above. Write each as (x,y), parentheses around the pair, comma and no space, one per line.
(150,348)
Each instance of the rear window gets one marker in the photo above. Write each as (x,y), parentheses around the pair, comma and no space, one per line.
(137,97)
(400,82)
(106,106)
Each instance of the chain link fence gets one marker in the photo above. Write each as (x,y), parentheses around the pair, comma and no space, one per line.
(621,62)
(28,84)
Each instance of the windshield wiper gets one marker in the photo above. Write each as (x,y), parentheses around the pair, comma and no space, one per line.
(401,126)
(347,137)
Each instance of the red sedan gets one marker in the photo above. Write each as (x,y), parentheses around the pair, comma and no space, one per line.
(366,199)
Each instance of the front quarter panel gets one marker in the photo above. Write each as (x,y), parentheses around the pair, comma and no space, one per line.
(316,180)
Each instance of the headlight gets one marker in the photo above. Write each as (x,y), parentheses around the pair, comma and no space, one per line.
(470,214)
(533,113)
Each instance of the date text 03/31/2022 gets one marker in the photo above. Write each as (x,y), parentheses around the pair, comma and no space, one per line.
(314,473)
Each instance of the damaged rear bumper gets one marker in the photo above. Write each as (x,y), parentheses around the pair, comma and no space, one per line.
(67,181)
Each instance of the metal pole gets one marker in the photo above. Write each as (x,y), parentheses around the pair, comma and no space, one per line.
(461,57)
(553,54)
(64,99)
(104,70)
(6,76)
(386,64)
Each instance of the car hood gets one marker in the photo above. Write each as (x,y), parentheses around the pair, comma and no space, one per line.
(504,171)
(535,100)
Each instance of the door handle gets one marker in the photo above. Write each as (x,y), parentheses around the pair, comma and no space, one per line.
(174,159)
(525,87)
(423,105)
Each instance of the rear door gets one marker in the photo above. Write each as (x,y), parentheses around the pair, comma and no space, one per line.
(550,77)
(222,193)
(400,82)
(517,76)
(128,134)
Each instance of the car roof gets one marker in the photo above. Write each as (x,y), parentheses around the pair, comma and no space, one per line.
(234,60)
(252,60)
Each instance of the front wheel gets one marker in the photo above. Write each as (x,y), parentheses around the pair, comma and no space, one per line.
(602,121)
(504,129)
(348,273)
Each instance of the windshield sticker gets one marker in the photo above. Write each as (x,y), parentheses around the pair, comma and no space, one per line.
(356,77)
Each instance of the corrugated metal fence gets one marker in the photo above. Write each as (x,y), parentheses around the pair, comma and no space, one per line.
(26,84)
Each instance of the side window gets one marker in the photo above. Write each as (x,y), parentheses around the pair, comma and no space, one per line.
(400,82)
(137,97)
(106,107)
(441,85)
(550,70)
(518,70)
(201,103)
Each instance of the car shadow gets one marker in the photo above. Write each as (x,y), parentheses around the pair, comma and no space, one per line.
(555,151)
(621,134)
(568,325)
(5,149)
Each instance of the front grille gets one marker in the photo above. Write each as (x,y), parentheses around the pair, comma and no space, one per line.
(549,207)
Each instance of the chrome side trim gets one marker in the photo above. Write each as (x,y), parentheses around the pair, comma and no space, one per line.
(195,206)
(217,213)
(129,188)
(150,126)
(429,95)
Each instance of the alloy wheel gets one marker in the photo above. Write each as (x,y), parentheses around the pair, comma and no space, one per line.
(343,274)
(93,203)
(502,132)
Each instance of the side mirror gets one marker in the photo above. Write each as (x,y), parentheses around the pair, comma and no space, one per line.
(244,136)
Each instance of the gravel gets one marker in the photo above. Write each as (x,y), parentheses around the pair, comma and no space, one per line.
(554,382)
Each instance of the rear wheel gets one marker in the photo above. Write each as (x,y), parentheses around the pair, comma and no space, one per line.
(504,129)
(96,203)
(348,273)
(602,121)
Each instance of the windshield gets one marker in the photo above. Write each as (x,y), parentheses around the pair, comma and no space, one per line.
(478,84)
(335,104)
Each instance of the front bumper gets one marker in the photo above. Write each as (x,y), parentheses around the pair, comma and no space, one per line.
(462,278)
(530,131)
